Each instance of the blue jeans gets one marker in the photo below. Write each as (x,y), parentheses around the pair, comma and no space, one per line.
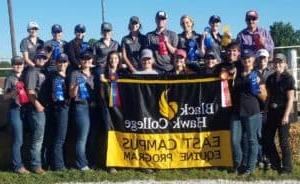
(61,113)
(37,123)
(244,140)
(16,122)
(82,123)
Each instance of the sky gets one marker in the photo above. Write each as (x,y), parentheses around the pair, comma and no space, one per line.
(68,13)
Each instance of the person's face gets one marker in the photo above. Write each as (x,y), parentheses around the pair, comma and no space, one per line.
(211,62)
(33,32)
(134,26)
(79,35)
(248,62)
(187,24)
(147,63)
(86,63)
(40,61)
(279,65)
(215,26)
(57,36)
(62,66)
(180,63)
(262,62)
(251,22)
(106,34)
(114,61)
(233,54)
(18,68)
(161,23)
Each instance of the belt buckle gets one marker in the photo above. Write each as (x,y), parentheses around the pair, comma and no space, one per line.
(273,105)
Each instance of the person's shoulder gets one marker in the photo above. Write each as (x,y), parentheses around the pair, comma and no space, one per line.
(151,33)
(243,31)
(24,40)
(172,33)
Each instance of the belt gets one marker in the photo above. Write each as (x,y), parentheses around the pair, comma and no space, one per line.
(61,103)
(275,105)
(83,102)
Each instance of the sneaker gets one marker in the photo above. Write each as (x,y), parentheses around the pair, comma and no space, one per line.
(22,170)
(86,168)
(39,171)
(112,170)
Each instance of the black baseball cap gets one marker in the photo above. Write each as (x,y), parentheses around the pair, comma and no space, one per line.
(106,26)
(40,54)
(63,58)
(17,60)
(134,19)
(87,54)
(214,18)
(79,28)
(247,53)
(210,54)
(56,28)
(161,15)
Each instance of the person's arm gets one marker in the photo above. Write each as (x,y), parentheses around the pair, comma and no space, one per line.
(27,59)
(73,89)
(8,92)
(127,61)
(263,93)
(171,46)
(33,99)
(289,106)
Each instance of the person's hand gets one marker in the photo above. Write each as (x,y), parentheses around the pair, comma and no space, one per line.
(166,39)
(262,40)
(285,120)
(39,108)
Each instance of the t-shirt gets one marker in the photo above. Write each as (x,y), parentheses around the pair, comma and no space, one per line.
(134,47)
(58,47)
(183,43)
(10,85)
(26,45)
(163,62)
(88,83)
(35,79)
(101,51)
(244,102)
(277,89)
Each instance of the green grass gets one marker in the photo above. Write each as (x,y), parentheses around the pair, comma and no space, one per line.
(130,174)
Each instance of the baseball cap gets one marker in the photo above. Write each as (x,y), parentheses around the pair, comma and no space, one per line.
(280,56)
(32,25)
(247,53)
(180,52)
(146,53)
(262,53)
(56,28)
(40,54)
(17,60)
(79,28)
(210,54)
(214,18)
(106,26)
(134,19)
(161,15)
(251,14)
(63,58)
(86,54)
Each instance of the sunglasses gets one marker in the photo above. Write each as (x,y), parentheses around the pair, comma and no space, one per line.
(251,19)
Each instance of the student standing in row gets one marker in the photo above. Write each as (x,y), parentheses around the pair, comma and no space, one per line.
(14,92)
(281,89)
(133,44)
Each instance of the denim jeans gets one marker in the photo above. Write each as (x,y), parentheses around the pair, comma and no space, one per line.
(244,140)
(60,127)
(16,123)
(82,123)
(36,122)
(273,123)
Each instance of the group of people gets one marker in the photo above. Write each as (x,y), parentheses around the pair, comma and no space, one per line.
(55,76)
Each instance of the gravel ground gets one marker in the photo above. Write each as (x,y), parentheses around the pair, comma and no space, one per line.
(195,182)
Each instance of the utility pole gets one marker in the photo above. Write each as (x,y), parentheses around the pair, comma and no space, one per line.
(12,28)
(102,8)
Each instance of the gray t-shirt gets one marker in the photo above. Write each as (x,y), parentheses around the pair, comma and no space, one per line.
(26,45)
(101,51)
(10,85)
(88,81)
(35,80)
(163,62)
(134,47)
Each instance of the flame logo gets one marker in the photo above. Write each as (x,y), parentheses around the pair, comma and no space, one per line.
(168,110)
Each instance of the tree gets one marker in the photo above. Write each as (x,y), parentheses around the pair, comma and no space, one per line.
(284,34)
(92,41)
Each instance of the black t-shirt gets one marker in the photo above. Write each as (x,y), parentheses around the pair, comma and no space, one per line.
(244,102)
(277,89)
